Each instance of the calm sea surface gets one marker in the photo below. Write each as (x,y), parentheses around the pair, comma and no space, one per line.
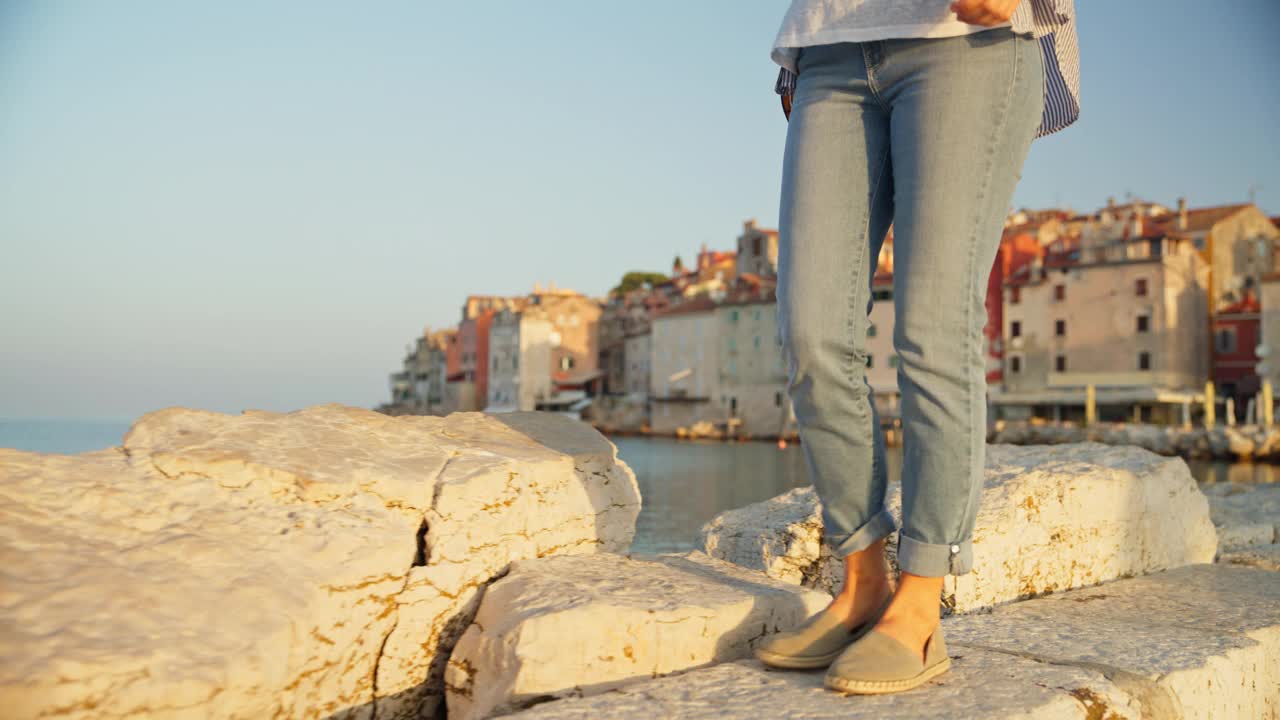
(684,483)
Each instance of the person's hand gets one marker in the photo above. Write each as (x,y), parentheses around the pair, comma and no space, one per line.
(984,12)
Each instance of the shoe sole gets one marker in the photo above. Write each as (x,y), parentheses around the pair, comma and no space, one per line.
(885,687)
(790,662)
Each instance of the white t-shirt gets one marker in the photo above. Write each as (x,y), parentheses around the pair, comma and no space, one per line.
(822,22)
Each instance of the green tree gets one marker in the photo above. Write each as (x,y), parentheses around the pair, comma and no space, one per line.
(678,265)
(636,279)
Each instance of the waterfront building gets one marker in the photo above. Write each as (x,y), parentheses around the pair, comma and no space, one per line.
(752,400)
(418,388)
(1236,334)
(882,359)
(1127,316)
(637,351)
(1237,240)
(467,385)
(757,251)
(1269,327)
(684,370)
(519,359)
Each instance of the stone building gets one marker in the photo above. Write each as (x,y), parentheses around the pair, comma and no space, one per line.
(684,369)
(637,351)
(467,385)
(519,359)
(753,374)
(1125,316)
(1236,335)
(882,358)
(757,251)
(624,316)
(1237,240)
(1269,327)
(575,341)
(418,388)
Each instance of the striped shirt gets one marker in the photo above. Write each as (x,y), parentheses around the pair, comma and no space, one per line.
(1052,22)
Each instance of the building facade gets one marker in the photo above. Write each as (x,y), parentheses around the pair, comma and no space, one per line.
(519,360)
(1124,316)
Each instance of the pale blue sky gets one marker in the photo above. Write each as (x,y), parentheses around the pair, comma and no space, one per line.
(238,204)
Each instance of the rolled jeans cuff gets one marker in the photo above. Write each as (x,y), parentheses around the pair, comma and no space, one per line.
(881,525)
(930,560)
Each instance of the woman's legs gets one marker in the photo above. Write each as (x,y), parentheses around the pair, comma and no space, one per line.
(835,210)
(964,112)
(933,134)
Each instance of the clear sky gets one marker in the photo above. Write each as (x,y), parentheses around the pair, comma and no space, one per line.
(239,204)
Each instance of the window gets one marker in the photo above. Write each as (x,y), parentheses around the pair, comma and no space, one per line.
(1140,287)
(756,341)
(733,404)
(1059,292)
(1015,328)
(1224,341)
(777,399)
(733,343)
(1144,323)
(1060,363)
(871,330)
(755,245)
(894,361)
(733,316)
(566,362)
(1015,364)
(733,367)
(756,314)
(1015,294)
(869,360)
(1144,361)
(1060,328)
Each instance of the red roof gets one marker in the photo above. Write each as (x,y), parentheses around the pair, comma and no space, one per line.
(700,304)
(1248,305)
(1198,220)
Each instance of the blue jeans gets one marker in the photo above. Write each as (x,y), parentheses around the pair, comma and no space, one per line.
(929,134)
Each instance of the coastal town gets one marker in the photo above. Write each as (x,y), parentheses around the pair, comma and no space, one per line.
(1134,312)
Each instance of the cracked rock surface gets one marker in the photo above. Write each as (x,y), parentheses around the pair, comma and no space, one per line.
(1052,518)
(311,564)
(1196,642)
(1245,514)
(571,625)
(980,685)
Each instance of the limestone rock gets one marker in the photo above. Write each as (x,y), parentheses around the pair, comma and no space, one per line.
(583,625)
(980,685)
(1245,514)
(1266,557)
(1052,518)
(1196,642)
(274,565)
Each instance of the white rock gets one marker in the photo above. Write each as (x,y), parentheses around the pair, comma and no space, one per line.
(583,625)
(1052,518)
(1266,557)
(1196,642)
(980,685)
(1245,514)
(256,565)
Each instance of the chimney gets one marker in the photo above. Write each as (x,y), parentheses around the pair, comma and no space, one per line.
(1182,213)
(749,225)
(1111,203)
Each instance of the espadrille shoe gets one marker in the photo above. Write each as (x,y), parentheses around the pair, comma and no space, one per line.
(878,664)
(814,644)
